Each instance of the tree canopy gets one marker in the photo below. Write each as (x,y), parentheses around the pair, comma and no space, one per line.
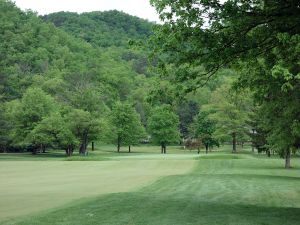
(260,39)
(216,33)
(163,126)
(126,126)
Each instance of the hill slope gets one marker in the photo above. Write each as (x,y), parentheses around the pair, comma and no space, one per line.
(104,29)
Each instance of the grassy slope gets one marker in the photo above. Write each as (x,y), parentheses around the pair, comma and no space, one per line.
(222,189)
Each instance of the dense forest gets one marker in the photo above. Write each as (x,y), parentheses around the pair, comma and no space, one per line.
(102,29)
(78,71)
(69,79)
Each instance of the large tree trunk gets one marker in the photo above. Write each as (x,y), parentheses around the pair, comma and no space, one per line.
(233,142)
(288,159)
(198,149)
(129,148)
(93,147)
(206,148)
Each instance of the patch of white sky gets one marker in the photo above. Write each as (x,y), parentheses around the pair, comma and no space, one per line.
(139,8)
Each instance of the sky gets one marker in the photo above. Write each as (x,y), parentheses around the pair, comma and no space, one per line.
(140,8)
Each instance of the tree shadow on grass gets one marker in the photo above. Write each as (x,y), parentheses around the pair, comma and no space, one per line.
(27,156)
(142,208)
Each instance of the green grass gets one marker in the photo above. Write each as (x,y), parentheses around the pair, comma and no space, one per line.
(102,152)
(28,187)
(108,152)
(218,188)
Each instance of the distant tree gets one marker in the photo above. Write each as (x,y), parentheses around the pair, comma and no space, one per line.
(162,92)
(35,105)
(163,126)
(257,132)
(126,125)
(204,128)
(281,121)
(187,110)
(83,93)
(67,140)
(53,131)
(85,127)
(25,115)
(229,111)
(39,139)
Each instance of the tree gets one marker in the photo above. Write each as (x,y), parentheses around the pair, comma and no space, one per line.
(162,92)
(258,132)
(39,138)
(281,120)
(229,111)
(53,131)
(217,33)
(67,140)
(163,125)
(85,126)
(126,125)
(187,111)
(204,128)
(274,81)
(25,115)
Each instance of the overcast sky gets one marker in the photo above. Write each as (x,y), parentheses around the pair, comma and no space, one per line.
(140,8)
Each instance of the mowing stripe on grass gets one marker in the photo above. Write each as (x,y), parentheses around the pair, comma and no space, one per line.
(29,187)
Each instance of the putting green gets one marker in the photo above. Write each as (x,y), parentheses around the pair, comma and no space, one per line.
(32,186)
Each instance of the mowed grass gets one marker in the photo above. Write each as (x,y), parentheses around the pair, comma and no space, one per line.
(101,153)
(28,187)
(218,188)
